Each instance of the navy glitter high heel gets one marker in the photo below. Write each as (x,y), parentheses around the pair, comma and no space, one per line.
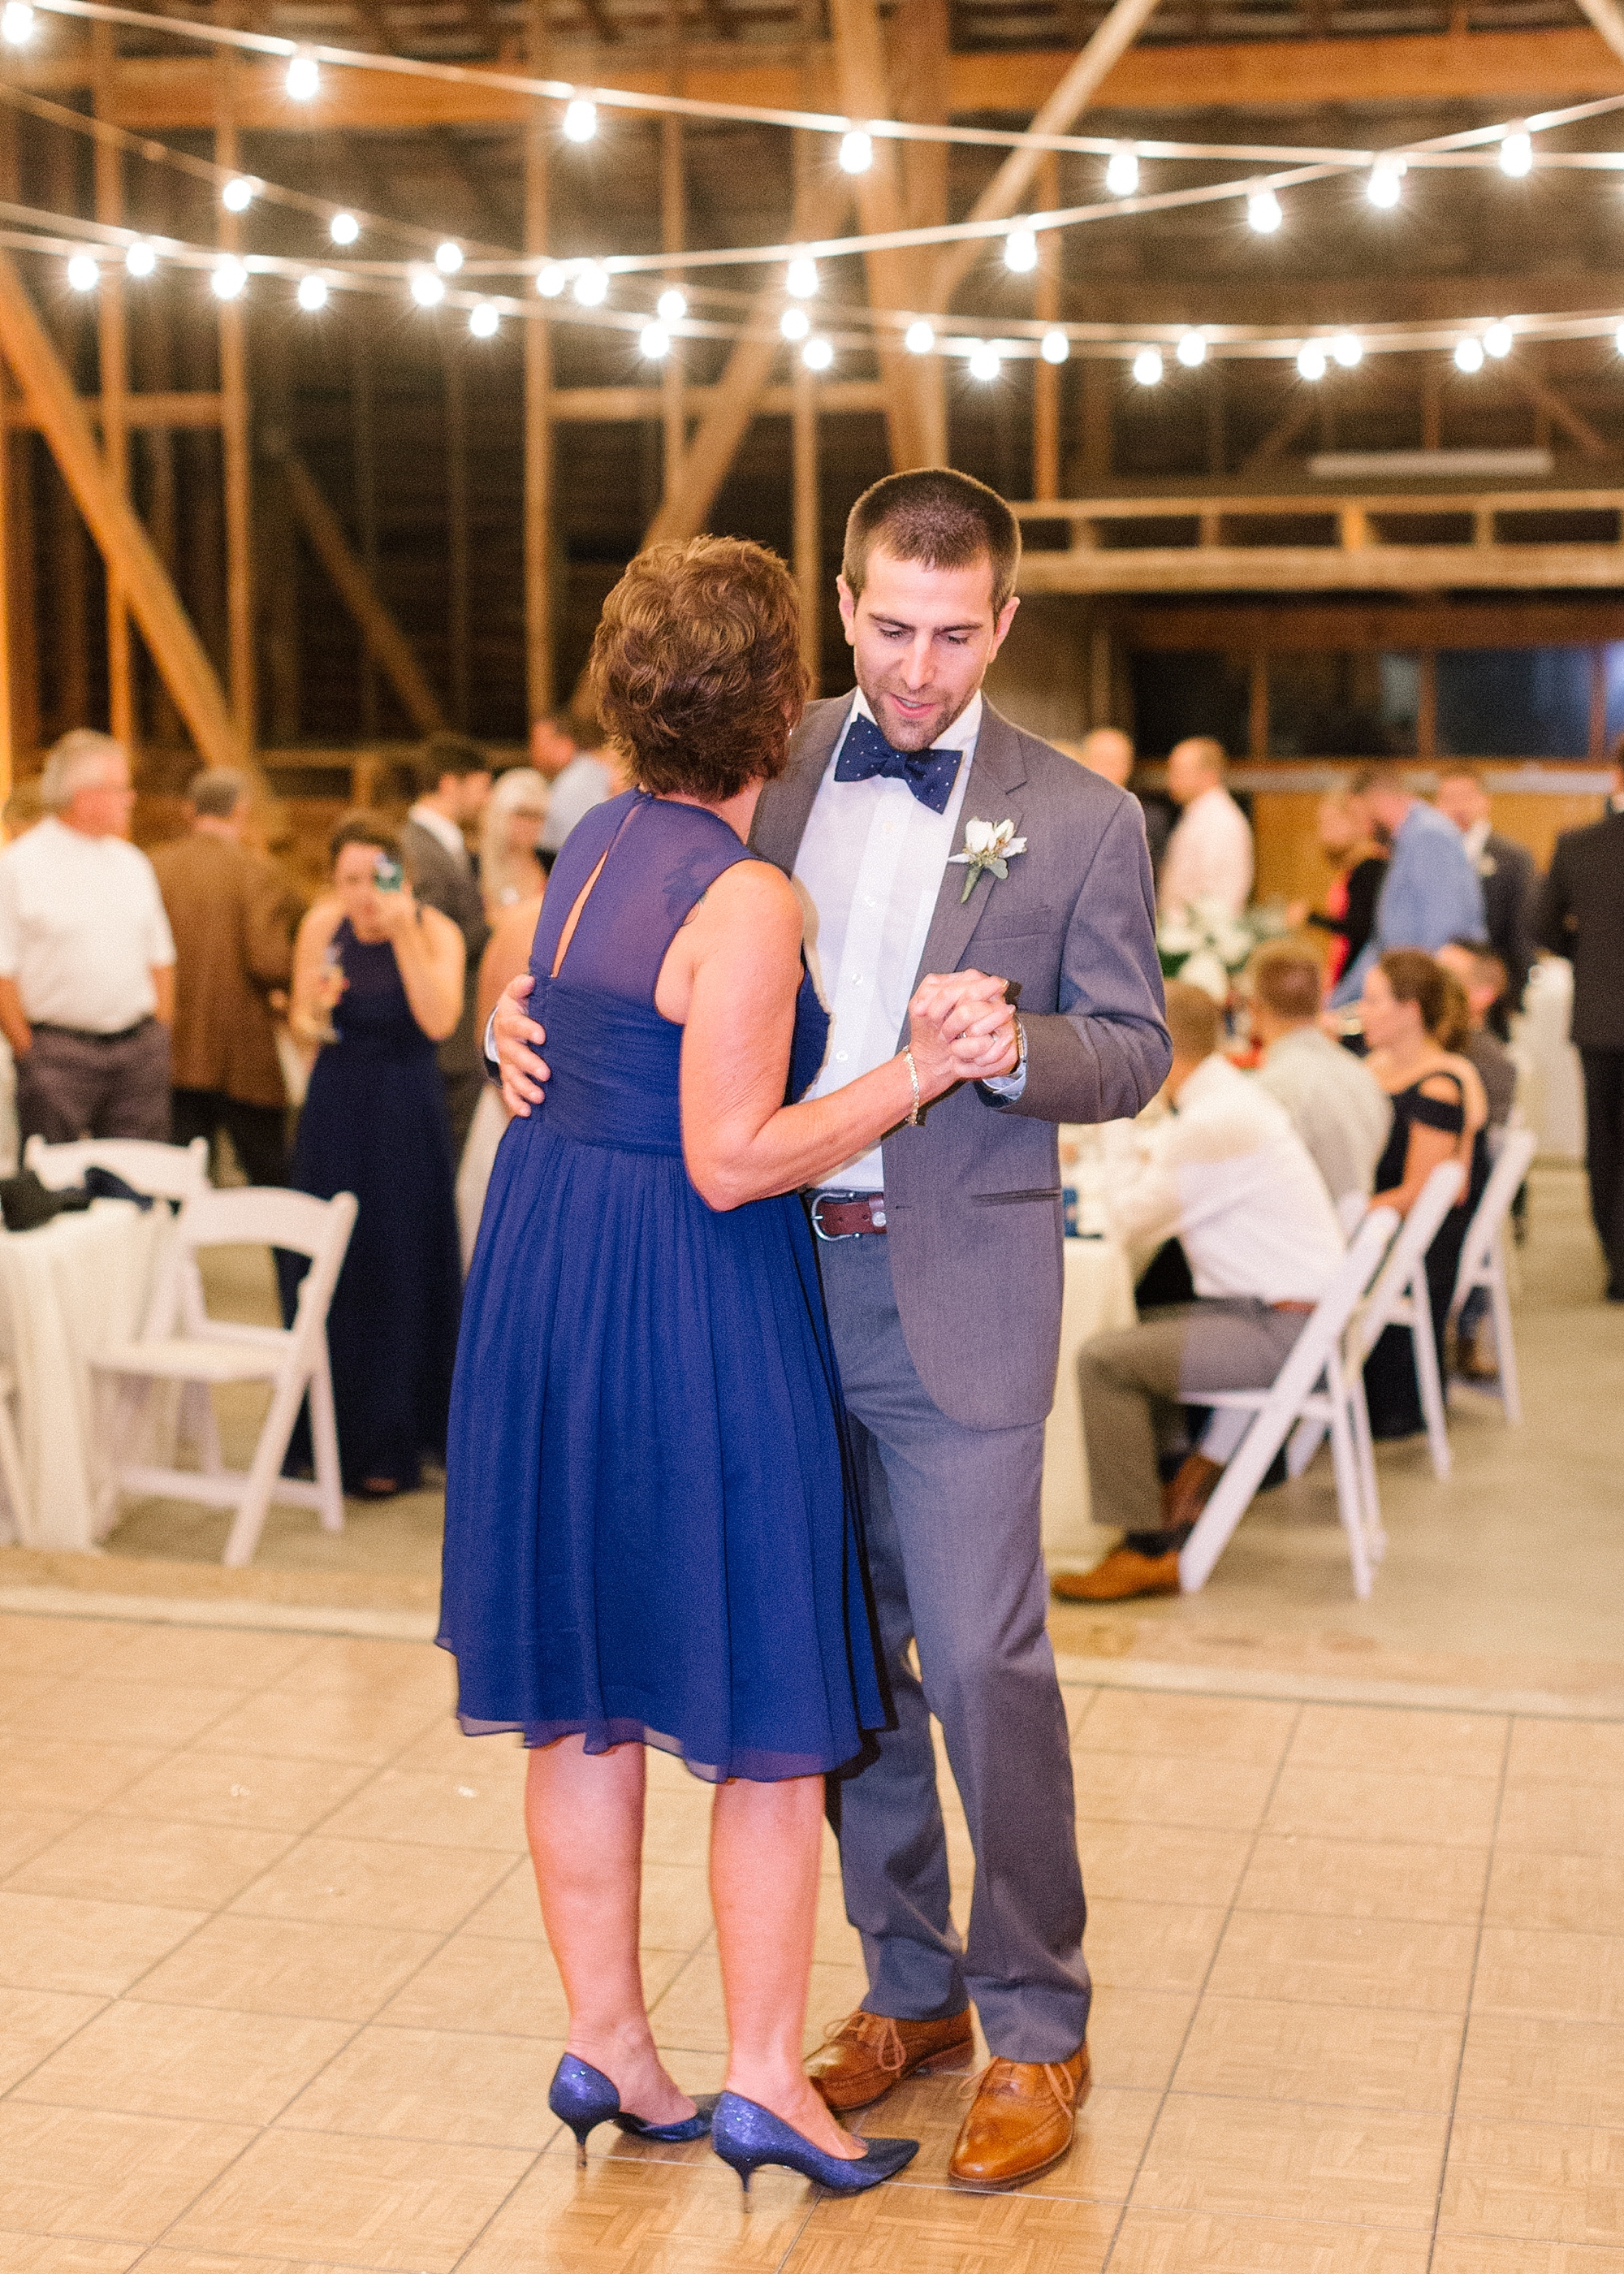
(583,2098)
(745,2135)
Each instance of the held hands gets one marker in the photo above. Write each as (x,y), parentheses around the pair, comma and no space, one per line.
(516,1037)
(961,1028)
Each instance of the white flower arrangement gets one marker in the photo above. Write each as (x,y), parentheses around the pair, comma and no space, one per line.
(1206,946)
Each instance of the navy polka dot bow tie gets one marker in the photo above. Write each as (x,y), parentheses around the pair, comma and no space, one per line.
(930,774)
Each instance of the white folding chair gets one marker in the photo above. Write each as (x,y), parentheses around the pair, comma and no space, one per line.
(1402,1297)
(182,1344)
(1483,1257)
(1321,1383)
(170,1173)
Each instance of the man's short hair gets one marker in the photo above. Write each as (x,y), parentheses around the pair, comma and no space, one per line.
(217,794)
(1287,980)
(1212,756)
(938,518)
(1488,968)
(1193,1019)
(73,761)
(1377,773)
(450,754)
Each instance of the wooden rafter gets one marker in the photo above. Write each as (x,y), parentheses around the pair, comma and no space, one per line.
(1560,413)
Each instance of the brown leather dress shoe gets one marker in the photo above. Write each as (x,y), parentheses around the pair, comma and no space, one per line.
(1124,1572)
(865,2054)
(1020,2122)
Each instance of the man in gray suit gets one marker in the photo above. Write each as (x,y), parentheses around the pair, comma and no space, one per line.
(454,775)
(942,1269)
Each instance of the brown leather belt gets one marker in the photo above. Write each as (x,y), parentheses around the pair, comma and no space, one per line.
(848,1215)
(1290,1306)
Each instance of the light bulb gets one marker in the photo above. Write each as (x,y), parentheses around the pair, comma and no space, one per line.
(1122,174)
(1310,360)
(817,355)
(237,194)
(985,363)
(800,276)
(654,341)
(427,288)
(856,152)
(1347,350)
(671,305)
(1497,341)
(303,79)
(483,320)
(313,293)
(1148,367)
(1469,354)
(1516,153)
(1055,347)
(229,279)
(1020,249)
(1383,182)
(794,323)
(580,120)
(83,274)
(550,281)
(343,229)
(140,260)
(1263,212)
(15,23)
(592,285)
(1192,349)
(919,339)
(449,257)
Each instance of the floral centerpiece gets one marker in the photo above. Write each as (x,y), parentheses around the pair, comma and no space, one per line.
(1206,946)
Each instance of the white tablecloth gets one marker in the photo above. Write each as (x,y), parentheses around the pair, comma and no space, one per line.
(1099,1295)
(67,1291)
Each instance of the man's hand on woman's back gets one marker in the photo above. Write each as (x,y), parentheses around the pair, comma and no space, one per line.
(517,1040)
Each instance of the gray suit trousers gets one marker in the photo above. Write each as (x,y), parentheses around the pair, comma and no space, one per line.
(951,1517)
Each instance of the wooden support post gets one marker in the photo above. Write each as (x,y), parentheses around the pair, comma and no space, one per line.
(919,50)
(20,720)
(1295,421)
(363,473)
(113,351)
(235,445)
(1557,412)
(8,760)
(1432,408)
(164,624)
(69,646)
(538,470)
(1258,706)
(1099,393)
(1427,706)
(673,230)
(1046,376)
(1217,408)
(385,640)
(1597,740)
(808,547)
(457,550)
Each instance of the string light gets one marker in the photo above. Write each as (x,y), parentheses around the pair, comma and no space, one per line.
(229,279)
(313,293)
(985,361)
(1469,355)
(484,321)
(449,257)
(83,273)
(817,355)
(1021,249)
(800,276)
(673,305)
(794,323)
(140,260)
(1497,342)
(654,341)
(1263,212)
(919,339)
(1617,339)
(1384,183)
(343,229)
(592,285)
(1122,174)
(428,289)
(580,120)
(856,151)
(1516,152)
(1148,367)
(1310,360)
(15,23)
(237,194)
(303,79)
(1347,350)
(1192,349)
(1055,347)
(550,281)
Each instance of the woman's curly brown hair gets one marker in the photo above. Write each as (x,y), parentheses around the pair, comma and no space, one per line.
(696,666)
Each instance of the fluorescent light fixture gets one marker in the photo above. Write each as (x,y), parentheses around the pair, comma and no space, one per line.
(1310,360)
(1263,212)
(1055,347)
(84,274)
(817,355)
(794,323)
(1348,350)
(919,339)
(229,278)
(484,321)
(592,285)
(1020,249)
(1516,153)
(856,151)
(1469,354)
(1192,349)
(237,194)
(313,293)
(428,289)
(800,276)
(580,120)
(303,79)
(985,361)
(1122,174)
(1148,367)
(140,260)
(654,341)
(1402,465)
(343,229)
(672,306)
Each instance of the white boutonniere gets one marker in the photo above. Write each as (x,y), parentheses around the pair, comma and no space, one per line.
(987,847)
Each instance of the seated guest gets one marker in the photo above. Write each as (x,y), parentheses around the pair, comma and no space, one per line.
(1228,1174)
(1336,1108)
(1483,979)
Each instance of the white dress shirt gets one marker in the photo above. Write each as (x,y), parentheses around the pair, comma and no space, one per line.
(583,784)
(444,832)
(1208,856)
(1476,840)
(1228,1174)
(82,928)
(1337,1106)
(869,872)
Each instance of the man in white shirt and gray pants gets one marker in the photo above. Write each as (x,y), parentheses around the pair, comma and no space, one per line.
(86,959)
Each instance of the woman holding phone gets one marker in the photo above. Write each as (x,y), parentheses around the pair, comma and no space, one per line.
(377,982)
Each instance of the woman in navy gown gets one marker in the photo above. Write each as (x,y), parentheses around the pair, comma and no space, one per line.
(651,1535)
(377,982)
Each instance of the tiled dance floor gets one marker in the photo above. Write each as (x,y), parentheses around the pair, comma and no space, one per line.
(274,1997)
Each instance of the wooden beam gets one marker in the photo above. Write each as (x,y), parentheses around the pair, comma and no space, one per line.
(539,661)
(673,234)
(1608,21)
(1427,706)
(1258,705)
(806,547)
(458,550)
(165,626)
(113,355)
(612,406)
(1323,568)
(234,418)
(386,643)
(157,409)
(1298,416)
(1560,412)
(1318,628)
(1046,376)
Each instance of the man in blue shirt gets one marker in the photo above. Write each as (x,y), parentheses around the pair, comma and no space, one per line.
(1432,892)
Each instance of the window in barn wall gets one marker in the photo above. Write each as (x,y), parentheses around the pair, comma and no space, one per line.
(1514,703)
(1182,693)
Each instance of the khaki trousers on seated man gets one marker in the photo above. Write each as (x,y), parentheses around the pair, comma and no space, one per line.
(1230,1178)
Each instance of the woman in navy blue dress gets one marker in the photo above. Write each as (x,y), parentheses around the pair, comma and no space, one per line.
(377,982)
(650,1534)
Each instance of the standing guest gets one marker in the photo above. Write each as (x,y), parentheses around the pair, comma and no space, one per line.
(1339,1111)
(377,982)
(1582,918)
(456,775)
(232,913)
(86,957)
(1483,981)
(1350,904)
(1209,855)
(1107,751)
(1439,1112)
(1430,892)
(563,752)
(510,831)
(1505,871)
(1228,1177)
(945,1310)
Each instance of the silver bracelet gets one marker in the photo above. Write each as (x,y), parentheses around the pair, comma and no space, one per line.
(907,1053)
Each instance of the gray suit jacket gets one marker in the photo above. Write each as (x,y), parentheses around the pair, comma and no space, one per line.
(442,882)
(973,1195)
